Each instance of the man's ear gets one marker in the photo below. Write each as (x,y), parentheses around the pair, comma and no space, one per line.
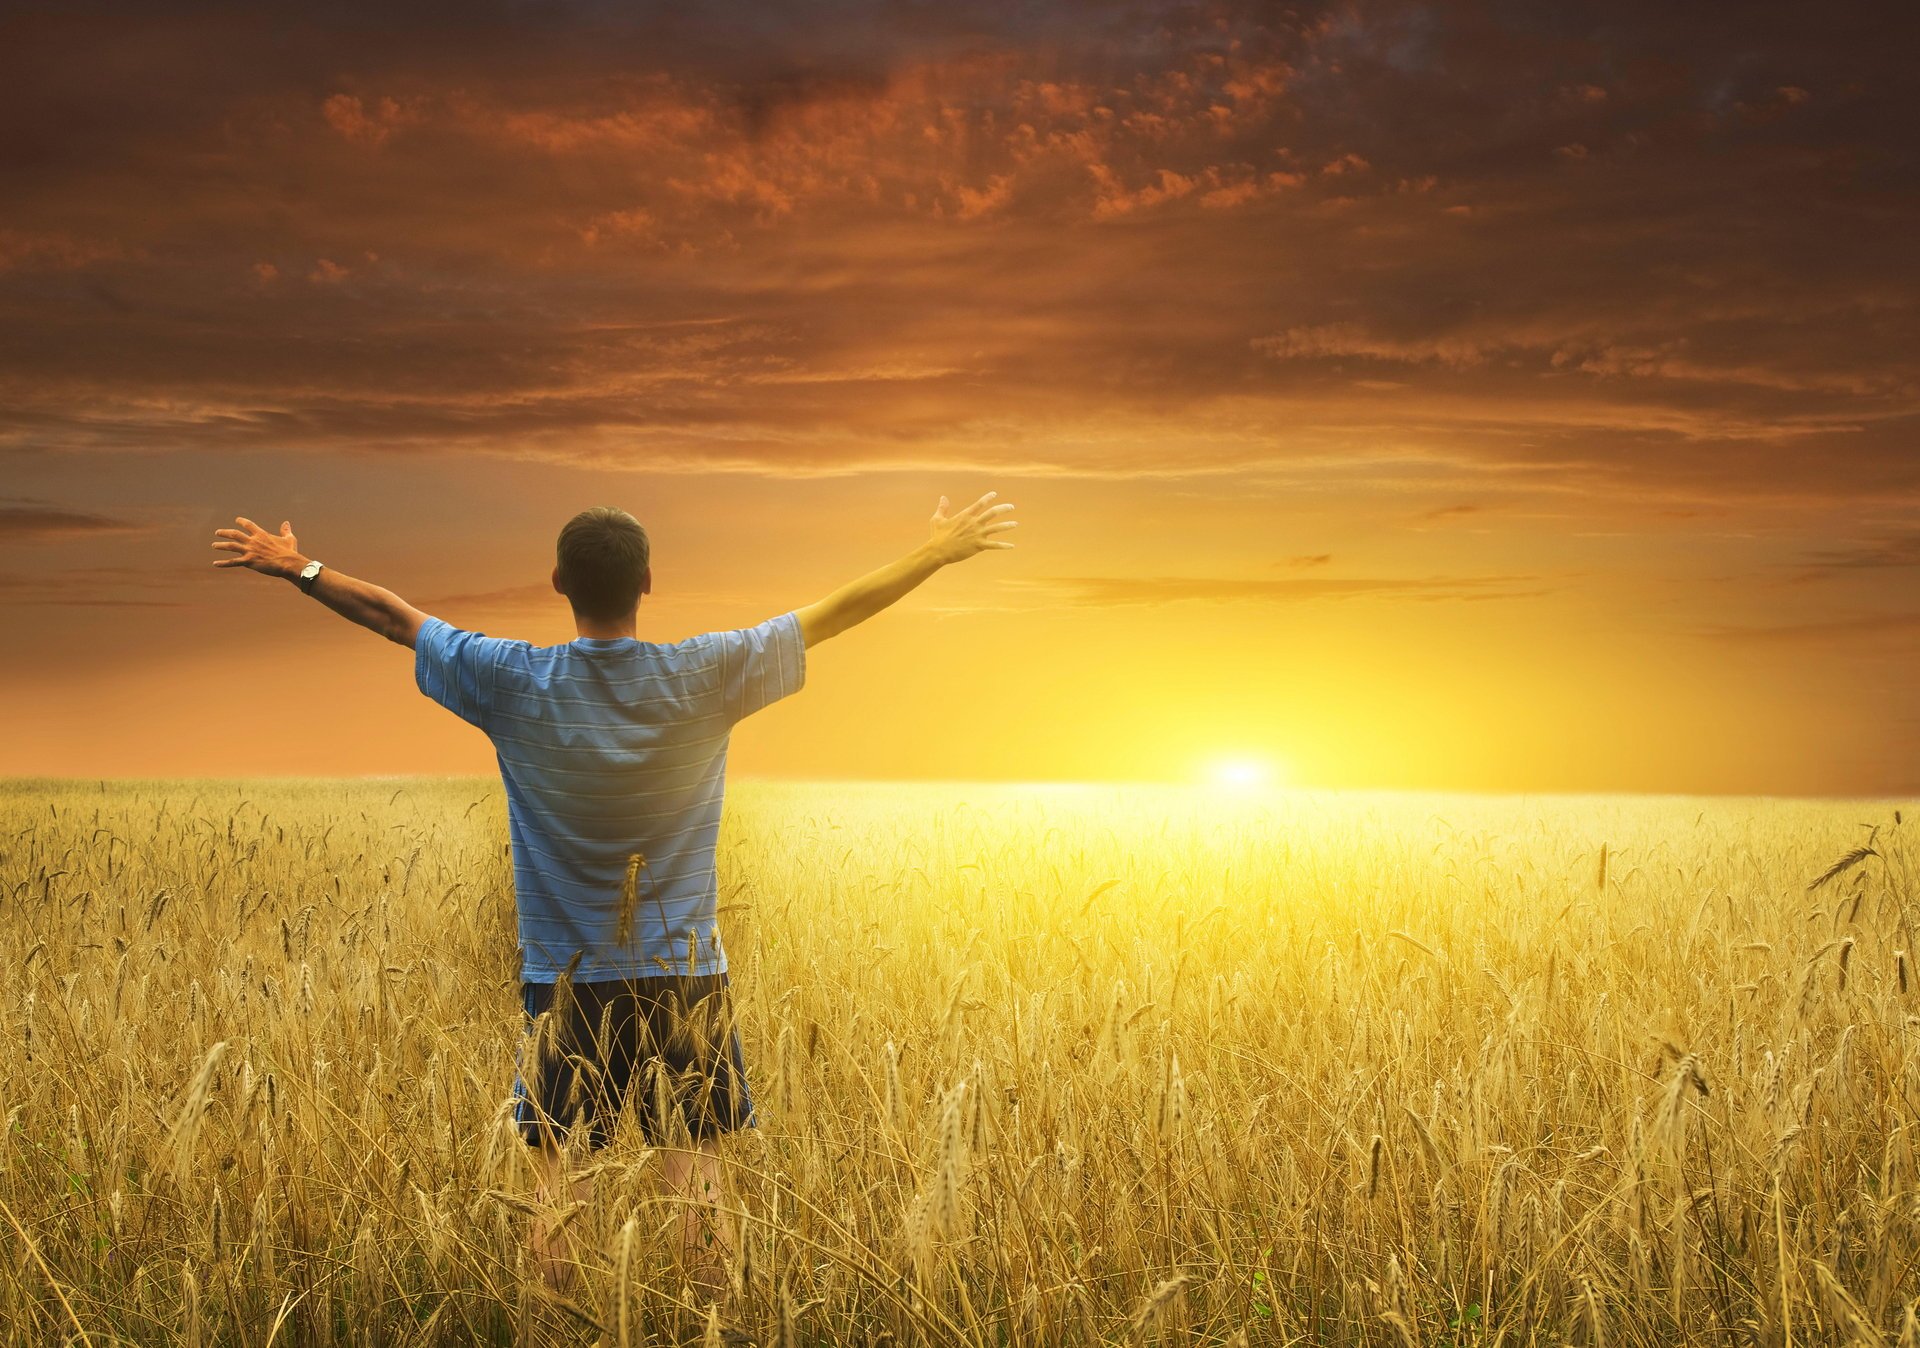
(646,581)
(557,587)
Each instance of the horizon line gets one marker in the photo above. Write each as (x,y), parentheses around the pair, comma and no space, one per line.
(1245,792)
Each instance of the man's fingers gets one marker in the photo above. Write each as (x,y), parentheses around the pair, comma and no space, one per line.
(226,546)
(996,545)
(232,561)
(248,524)
(229,533)
(1000,509)
(1001,527)
(286,528)
(980,504)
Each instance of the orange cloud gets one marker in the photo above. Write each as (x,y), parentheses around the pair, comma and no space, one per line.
(53,250)
(366,124)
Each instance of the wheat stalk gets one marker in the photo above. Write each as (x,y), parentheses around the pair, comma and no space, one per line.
(1841,867)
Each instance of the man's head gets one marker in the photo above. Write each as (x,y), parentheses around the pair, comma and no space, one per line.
(602,564)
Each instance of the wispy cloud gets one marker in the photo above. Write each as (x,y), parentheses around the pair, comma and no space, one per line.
(42,521)
(1448,512)
(510,597)
(542,596)
(1820,631)
(1107,591)
(1892,550)
(97,587)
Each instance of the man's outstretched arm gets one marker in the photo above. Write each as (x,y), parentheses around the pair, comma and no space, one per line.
(279,554)
(954,538)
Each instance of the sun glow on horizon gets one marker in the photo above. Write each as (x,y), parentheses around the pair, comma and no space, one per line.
(1244,772)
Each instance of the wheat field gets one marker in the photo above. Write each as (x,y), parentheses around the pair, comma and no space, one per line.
(1033,1065)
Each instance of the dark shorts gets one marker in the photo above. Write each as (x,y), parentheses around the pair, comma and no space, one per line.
(664,1046)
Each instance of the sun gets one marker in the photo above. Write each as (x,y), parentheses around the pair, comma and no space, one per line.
(1243,772)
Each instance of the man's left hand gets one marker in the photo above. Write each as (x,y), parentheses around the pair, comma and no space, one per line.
(269,554)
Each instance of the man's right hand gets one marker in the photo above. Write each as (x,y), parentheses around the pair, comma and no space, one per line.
(954,539)
(959,536)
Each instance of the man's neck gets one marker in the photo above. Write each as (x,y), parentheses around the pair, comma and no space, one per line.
(608,629)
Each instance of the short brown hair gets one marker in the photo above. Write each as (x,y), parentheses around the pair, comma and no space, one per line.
(603,557)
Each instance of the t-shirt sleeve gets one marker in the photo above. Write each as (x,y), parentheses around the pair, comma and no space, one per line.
(760,665)
(458,669)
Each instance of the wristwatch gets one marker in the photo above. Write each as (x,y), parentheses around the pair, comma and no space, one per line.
(308,574)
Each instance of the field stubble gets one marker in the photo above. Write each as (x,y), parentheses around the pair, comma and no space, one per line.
(1033,1066)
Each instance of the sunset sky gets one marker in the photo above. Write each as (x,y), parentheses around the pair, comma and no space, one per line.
(1509,396)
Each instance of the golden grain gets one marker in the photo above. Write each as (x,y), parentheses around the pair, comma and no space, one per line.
(259,1047)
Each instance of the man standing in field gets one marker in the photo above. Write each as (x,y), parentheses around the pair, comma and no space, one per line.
(613,754)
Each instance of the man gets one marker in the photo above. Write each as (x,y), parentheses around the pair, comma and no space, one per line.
(613,754)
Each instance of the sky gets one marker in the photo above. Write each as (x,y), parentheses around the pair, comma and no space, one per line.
(1483,396)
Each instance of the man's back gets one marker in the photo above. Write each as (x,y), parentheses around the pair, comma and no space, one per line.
(613,749)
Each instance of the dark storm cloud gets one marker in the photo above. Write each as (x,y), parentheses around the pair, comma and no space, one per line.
(1608,243)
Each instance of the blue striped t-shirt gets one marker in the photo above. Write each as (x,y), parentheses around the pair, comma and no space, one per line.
(611,749)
